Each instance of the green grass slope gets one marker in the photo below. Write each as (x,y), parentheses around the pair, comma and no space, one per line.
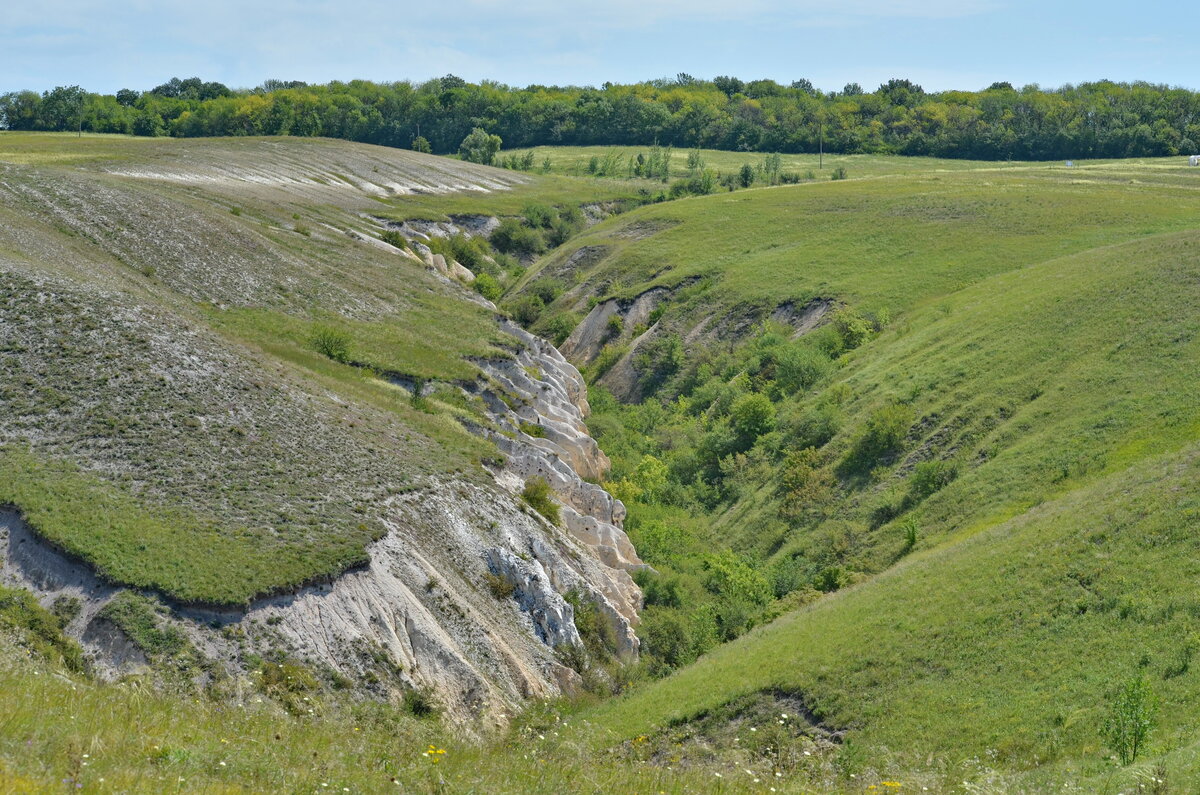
(1006,644)
(1050,371)
(888,241)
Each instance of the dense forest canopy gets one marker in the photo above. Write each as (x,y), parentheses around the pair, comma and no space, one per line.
(1101,119)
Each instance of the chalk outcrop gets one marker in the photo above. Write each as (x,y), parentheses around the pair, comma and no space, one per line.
(538,402)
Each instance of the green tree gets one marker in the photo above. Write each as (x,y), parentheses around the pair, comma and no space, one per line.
(479,147)
(752,415)
(421,144)
(746,175)
(1130,720)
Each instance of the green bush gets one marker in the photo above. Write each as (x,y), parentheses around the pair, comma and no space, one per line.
(537,495)
(599,638)
(799,367)
(526,310)
(853,329)
(559,327)
(470,252)
(394,238)
(421,703)
(746,175)
(514,237)
(332,342)
(609,355)
(666,639)
(539,215)
(813,427)
(615,325)
(657,360)
(882,436)
(805,486)
(487,286)
(546,288)
(752,415)
(928,477)
(732,579)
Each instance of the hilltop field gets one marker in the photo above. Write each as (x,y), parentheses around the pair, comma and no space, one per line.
(910,446)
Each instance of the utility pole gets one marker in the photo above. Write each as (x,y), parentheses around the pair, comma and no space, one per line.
(821,157)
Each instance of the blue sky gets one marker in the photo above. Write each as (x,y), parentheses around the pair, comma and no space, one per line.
(104,45)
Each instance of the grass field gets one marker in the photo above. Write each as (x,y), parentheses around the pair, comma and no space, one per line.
(574,161)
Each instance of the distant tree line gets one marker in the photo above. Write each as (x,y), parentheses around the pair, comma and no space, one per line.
(1100,119)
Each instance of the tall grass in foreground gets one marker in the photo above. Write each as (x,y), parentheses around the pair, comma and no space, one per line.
(60,733)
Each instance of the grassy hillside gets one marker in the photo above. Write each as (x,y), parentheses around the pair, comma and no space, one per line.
(1072,410)
(972,478)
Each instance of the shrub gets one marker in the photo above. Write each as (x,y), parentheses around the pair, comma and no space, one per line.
(539,215)
(487,286)
(421,703)
(546,288)
(470,252)
(815,427)
(615,325)
(853,329)
(332,342)
(1130,720)
(538,496)
(746,176)
(882,436)
(799,367)
(526,310)
(609,355)
(928,477)
(665,636)
(559,327)
(728,576)
(500,587)
(752,415)
(394,238)
(830,579)
(838,173)
(599,638)
(805,485)
(658,359)
(514,237)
